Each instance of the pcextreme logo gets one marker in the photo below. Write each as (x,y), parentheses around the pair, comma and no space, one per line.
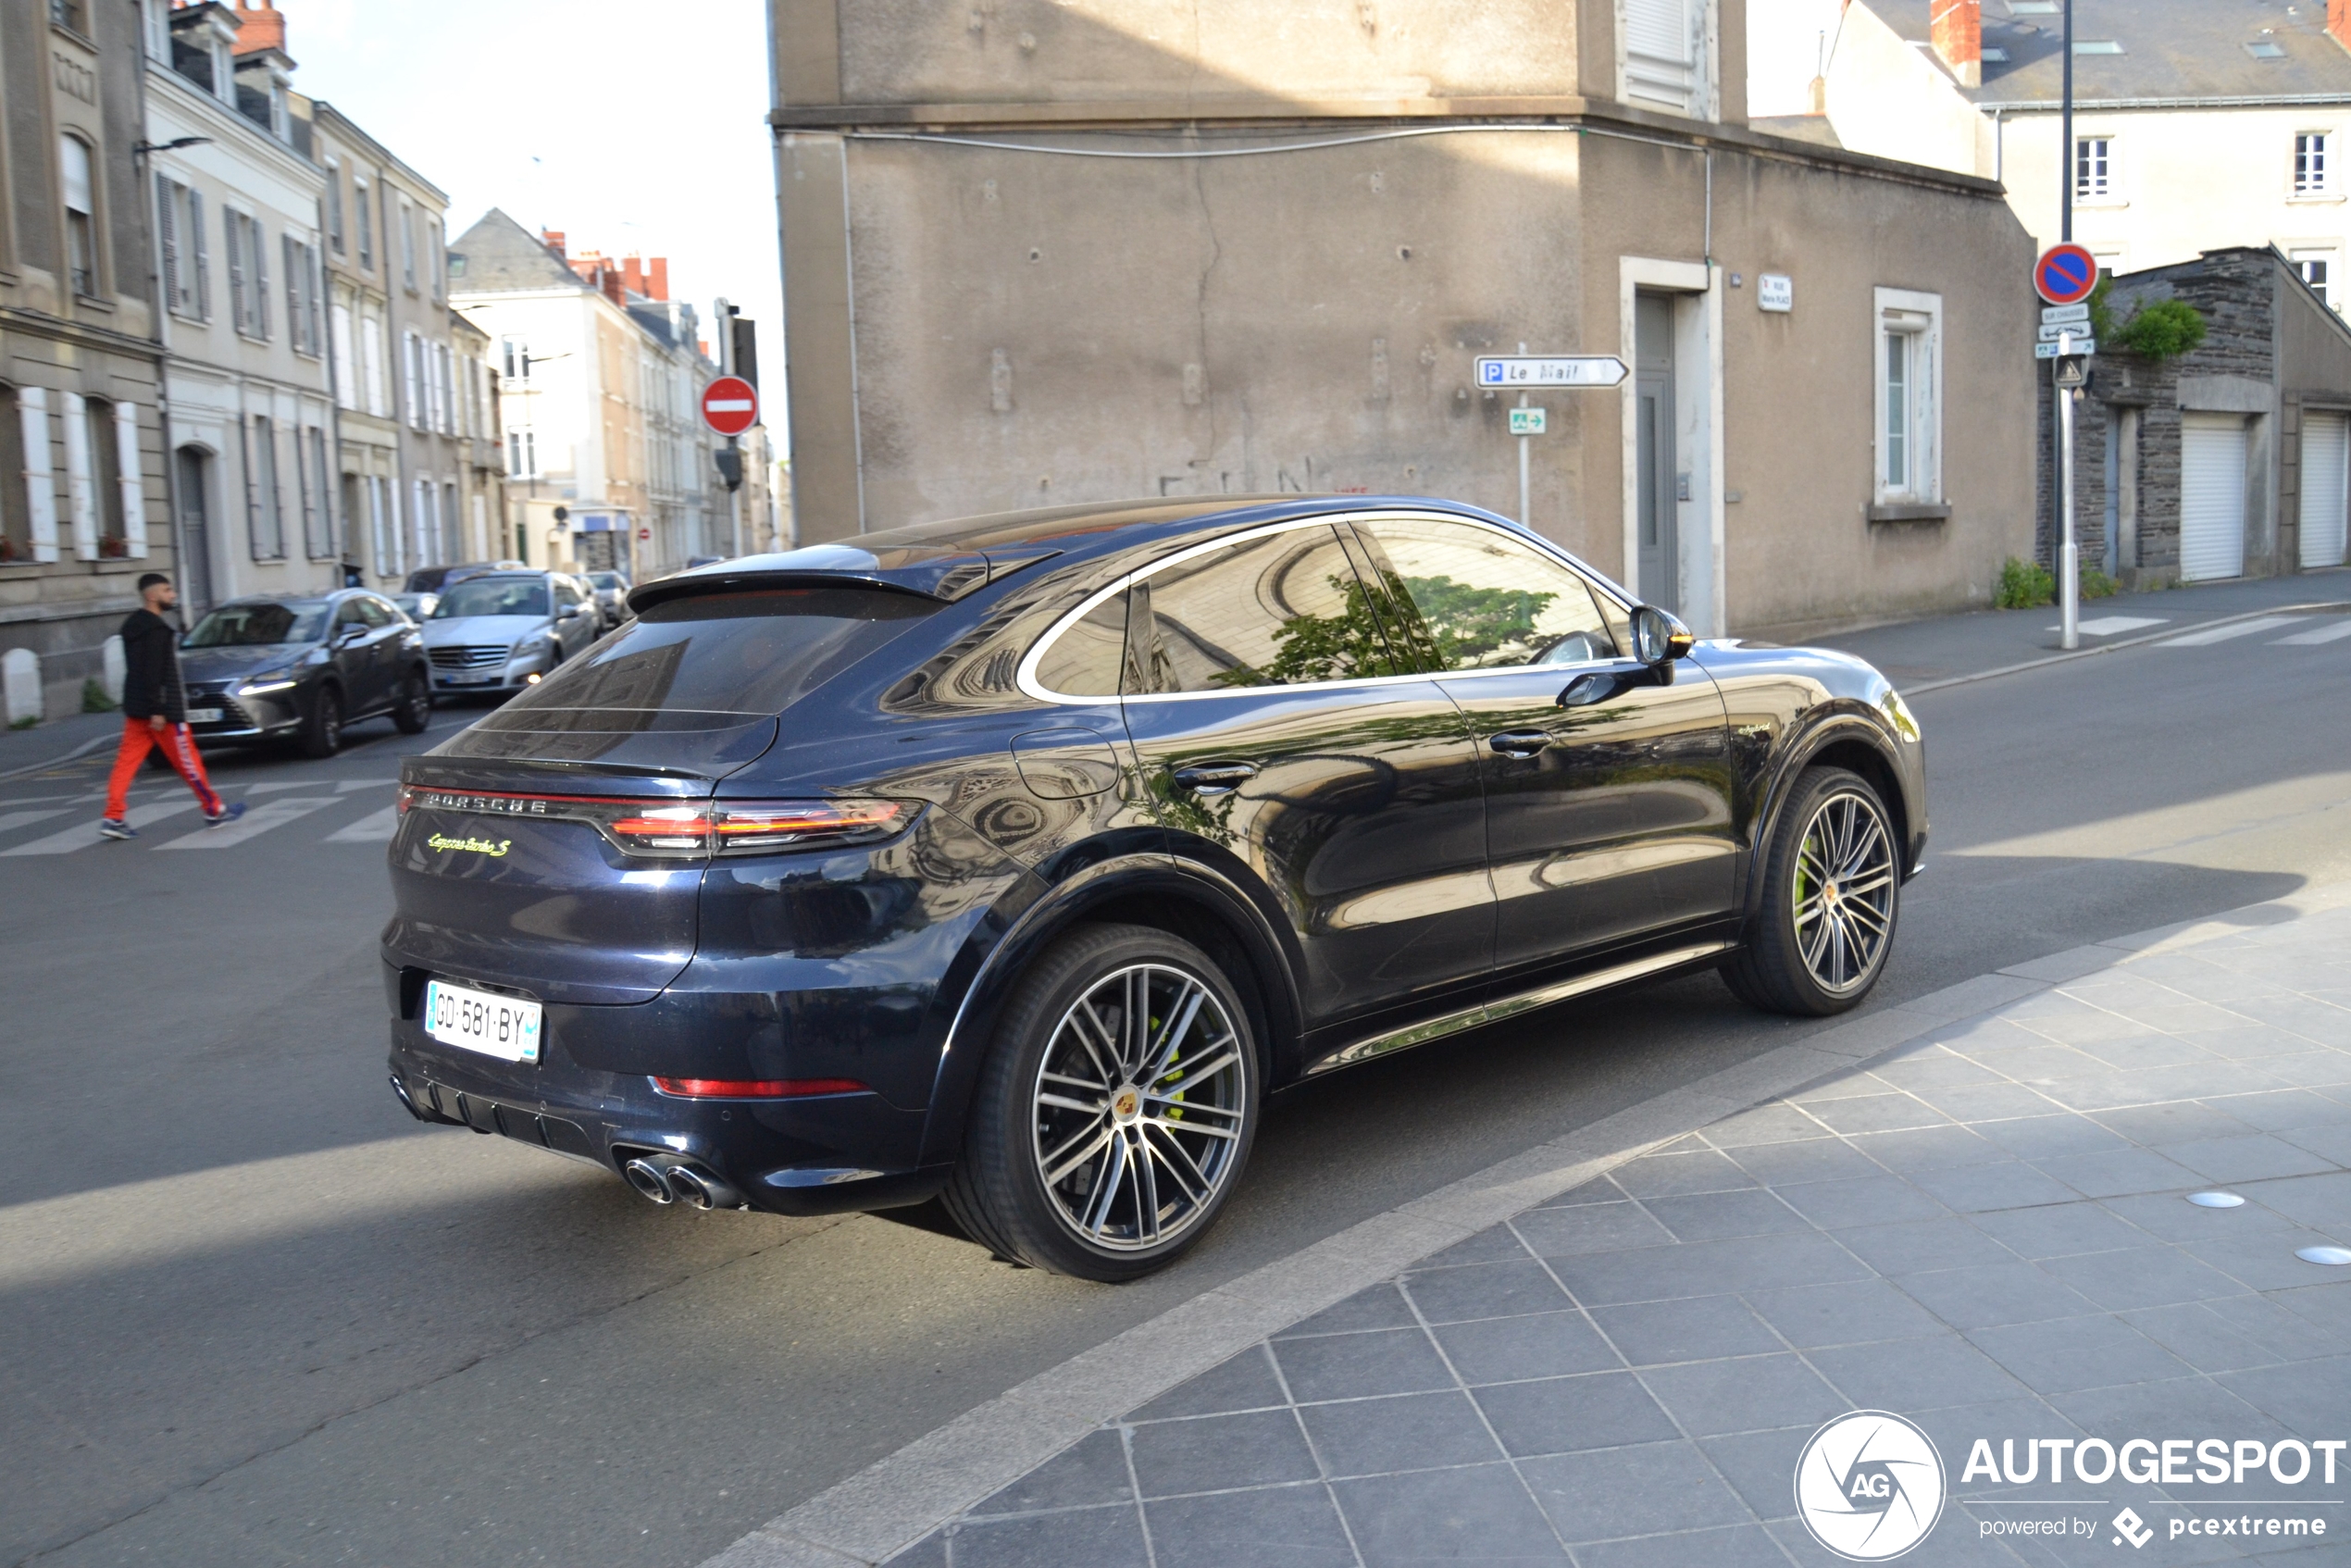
(1869,1486)
(478,846)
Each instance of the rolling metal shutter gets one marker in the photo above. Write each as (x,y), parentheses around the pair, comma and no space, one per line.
(1661,40)
(2211,496)
(2326,488)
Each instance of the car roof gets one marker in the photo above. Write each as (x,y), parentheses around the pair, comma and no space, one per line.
(946,560)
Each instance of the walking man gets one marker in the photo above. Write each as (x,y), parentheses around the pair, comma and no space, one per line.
(154,711)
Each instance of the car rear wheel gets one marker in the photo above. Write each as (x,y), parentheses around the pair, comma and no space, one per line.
(1831,893)
(1115,1109)
(416,704)
(322,730)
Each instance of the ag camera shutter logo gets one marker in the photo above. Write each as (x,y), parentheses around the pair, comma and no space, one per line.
(1869,1486)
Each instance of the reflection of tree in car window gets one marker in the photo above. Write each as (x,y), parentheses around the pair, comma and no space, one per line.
(1347,646)
(1480,626)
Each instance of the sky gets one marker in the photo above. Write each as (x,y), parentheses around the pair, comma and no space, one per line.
(1784,44)
(630,127)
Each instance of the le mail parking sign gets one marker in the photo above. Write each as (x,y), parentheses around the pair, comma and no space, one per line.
(2065,274)
(730,405)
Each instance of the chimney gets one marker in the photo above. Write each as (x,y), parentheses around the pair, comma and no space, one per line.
(610,281)
(632,274)
(658,269)
(1956,29)
(258,27)
(2339,22)
(554,239)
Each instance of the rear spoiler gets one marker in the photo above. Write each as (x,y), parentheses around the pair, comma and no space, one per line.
(940,575)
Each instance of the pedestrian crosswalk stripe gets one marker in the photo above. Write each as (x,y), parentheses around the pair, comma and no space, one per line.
(2335,633)
(268,789)
(254,823)
(85,834)
(377,828)
(27,818)
(348,785)
(2210,635)
(2109,625)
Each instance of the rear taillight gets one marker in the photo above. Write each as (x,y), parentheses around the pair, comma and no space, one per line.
(757,1088)
(684,829)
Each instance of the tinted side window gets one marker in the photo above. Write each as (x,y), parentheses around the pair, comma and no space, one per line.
(349,614)
(1275,611)
(375,612)
(1476,599)
(1085,661)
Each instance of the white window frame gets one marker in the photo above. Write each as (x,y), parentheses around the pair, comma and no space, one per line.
(1691,87)
(2111,194)
(2327,256)
(1918,319)
(2311,169)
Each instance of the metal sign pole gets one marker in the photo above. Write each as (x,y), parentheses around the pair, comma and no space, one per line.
(1525,517)
(2068,554)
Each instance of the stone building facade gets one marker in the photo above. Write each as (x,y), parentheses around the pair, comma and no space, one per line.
(1036,253)
(83,504)
(2275,365)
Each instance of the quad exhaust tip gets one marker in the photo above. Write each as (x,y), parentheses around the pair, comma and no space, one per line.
(665,1179)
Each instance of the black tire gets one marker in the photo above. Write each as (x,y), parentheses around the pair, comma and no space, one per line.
(1807,974)
(999,1192)
(322,729)
(415,709)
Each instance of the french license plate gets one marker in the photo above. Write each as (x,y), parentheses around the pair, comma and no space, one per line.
(204,715)
(504,1026)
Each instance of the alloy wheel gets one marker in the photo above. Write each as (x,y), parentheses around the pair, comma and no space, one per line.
(1843,893)
(1139,1105)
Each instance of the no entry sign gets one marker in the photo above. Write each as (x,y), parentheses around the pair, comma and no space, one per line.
(730,405)
(2065,274)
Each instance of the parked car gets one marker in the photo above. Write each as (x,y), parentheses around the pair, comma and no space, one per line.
(304,669)
(1017,859)
(415,606)
(611,596)
(501,631)
(425,579)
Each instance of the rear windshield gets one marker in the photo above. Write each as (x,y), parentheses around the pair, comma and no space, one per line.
(493,596)
(715,658)
(241,626)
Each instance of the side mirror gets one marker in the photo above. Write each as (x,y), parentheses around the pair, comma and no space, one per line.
(352,633)
(569,612)
(1659,637)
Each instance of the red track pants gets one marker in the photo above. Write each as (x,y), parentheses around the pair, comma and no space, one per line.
(178,749)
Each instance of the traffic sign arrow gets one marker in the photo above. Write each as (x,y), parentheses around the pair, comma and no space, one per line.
(1540,370)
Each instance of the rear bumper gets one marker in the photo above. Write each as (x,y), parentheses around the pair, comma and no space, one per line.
(820,1155)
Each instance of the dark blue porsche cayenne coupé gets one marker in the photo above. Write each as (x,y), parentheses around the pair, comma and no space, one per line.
(1017,859)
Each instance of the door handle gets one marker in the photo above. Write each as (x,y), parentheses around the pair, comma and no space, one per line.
(1520,742)
(1215,778)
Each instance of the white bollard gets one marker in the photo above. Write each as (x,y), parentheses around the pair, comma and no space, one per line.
(20,680)
(117,669)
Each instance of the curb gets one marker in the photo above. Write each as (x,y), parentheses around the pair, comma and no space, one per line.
(2333,606)
(92,744)
(899,1500)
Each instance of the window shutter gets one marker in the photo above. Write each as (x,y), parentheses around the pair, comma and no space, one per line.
(232,243)
(40,478)
(260,280)
(134,486)
(408,370)
(165,221)
(347,380)
(1660,52)
(201,257)
(293,294)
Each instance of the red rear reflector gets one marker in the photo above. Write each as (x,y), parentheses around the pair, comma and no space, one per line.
(757,1088)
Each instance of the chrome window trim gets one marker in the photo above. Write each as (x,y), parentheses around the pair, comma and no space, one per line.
(1024,677)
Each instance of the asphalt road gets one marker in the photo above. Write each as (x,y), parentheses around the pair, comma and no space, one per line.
(254,1314)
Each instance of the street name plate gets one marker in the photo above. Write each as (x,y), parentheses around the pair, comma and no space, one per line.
(1527,421)
(2050,331)
(2051,315)
(2078,346)
(1536,370)
(1774,291)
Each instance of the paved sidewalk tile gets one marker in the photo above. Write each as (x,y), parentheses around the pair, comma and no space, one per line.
(1985,1232)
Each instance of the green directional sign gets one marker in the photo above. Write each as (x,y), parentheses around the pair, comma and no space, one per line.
(1527,421)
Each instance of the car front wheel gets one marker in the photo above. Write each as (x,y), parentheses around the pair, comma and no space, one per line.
(1115,1109)
(322,730)
(1831,892)
(416,704)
